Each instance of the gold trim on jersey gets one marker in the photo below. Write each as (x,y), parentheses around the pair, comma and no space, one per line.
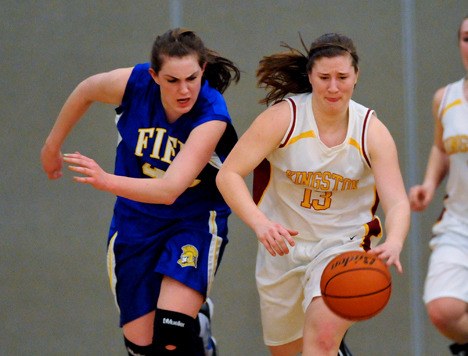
(449,106)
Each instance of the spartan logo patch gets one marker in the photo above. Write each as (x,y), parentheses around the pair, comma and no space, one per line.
(189,256)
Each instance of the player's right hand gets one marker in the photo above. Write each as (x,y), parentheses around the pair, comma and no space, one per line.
(275,237)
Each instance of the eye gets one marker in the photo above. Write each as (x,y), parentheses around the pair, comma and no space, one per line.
(192,78)
(172,80)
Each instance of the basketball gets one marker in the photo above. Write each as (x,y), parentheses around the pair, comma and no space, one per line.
(356,285)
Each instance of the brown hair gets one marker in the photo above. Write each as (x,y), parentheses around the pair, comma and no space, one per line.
(287,72)
(179,42)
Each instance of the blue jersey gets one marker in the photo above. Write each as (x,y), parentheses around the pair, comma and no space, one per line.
(148,144)
(185,240)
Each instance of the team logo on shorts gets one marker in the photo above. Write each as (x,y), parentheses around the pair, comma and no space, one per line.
(189,256)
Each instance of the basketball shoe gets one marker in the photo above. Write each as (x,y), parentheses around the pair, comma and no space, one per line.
(460,350)
(205,315)
(344,350)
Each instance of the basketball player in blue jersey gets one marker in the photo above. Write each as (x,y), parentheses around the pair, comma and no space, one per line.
(446,285)
(321,163)
(169,227)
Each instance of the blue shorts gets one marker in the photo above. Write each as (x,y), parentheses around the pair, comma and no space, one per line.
(187,250)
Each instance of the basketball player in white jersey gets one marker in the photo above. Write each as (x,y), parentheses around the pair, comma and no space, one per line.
(322,163)
(446,286)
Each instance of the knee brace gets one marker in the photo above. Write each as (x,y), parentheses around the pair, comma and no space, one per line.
(133,349)
(176,334)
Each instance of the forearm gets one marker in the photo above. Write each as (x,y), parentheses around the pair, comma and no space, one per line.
(397,222)
(71,112)
(437,167)
(144,190)
(236,194)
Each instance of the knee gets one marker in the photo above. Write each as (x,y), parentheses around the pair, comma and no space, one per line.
(327,339)
(176,334)
(445,311)
(134,349)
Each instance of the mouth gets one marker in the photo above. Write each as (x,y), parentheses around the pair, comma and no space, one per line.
(333,100)
(183,101)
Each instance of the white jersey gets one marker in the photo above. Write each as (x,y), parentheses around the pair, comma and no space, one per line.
(323,192)
(453,113)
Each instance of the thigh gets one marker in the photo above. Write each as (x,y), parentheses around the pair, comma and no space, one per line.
(140,331)
(176,296)
(279,283)
(194,251)
(447,274)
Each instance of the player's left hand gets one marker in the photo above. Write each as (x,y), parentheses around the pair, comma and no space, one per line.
(390,253)
(92,173)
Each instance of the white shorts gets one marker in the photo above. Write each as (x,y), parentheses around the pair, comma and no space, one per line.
(447,274)
(287,284)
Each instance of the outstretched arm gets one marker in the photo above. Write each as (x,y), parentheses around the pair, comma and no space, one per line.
(181,173)
(106,87)
(391,190)
(263,136)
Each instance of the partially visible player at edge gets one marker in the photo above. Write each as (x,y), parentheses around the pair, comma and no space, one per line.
(322,162)
(169,228)
(446,285)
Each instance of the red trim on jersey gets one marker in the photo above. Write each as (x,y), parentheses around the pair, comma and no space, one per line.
(294,109)
(261,177)
(363,139)
(376,204)
(373,229)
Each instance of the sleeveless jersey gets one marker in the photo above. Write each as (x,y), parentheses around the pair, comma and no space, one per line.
(453,113)
(148,144)
(323,192)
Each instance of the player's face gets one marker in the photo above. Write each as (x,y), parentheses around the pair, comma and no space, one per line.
(333,80)
(464,43)
(180,82)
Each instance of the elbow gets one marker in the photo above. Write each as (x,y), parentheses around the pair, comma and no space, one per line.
(219,180)
(169,198)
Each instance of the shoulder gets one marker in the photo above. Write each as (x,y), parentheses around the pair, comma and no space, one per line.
(438,95)
(455,87)
(140,74)
(140,82)
(360,109)
(379,137)
(276,119)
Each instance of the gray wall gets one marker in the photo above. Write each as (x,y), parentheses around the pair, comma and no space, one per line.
(54,293)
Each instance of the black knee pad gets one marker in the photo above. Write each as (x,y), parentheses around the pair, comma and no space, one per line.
(176,334)
(133,349)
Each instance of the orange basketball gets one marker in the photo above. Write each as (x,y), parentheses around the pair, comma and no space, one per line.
(356,285)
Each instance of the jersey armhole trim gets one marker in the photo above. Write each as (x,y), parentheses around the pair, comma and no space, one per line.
(292,123)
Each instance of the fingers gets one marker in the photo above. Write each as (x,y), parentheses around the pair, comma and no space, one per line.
(276,241)
(279,246)
(80,164)
(387,257)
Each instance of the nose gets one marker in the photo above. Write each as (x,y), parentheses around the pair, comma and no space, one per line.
(183,88)
(333,88)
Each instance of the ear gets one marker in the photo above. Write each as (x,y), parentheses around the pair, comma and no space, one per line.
(154,75)
(357,77)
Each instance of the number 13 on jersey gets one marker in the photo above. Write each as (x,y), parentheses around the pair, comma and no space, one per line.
(322,202)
